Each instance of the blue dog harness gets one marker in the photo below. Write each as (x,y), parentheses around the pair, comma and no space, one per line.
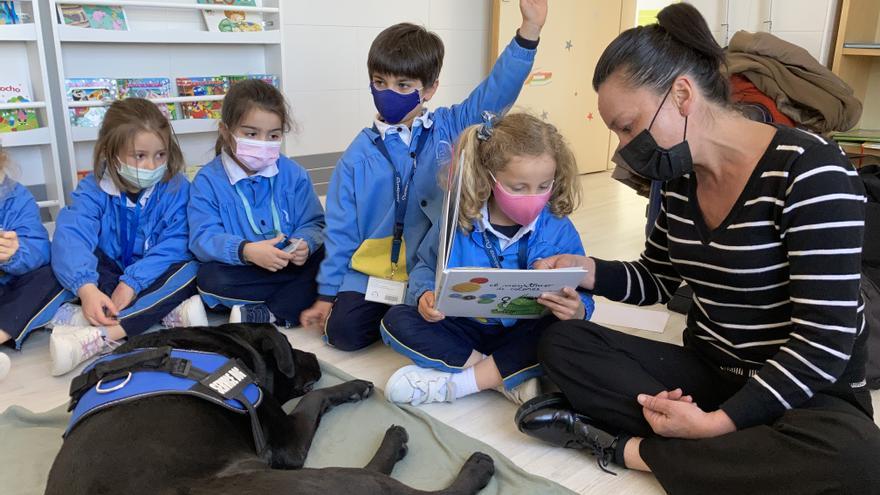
(118,378)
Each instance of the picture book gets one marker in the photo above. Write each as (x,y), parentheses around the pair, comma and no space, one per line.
(94,16)
(89,89)
(201,86)
(232,21)
(149,88)
(267,78)
(8,15)
(489,292)
(19,119)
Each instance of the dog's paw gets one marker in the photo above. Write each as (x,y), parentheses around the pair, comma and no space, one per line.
(399,435)
(361,390)
(482,464)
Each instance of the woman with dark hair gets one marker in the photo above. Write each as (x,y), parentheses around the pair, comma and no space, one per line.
(767,395)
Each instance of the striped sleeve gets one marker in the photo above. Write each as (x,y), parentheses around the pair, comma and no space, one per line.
(821,226)
(650,280)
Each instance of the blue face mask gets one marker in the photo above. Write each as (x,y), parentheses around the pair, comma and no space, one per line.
(393,106)
(142,178)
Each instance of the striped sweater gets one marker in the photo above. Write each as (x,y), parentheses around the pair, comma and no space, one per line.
(776,284)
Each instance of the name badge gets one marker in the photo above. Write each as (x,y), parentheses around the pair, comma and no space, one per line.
(385,291)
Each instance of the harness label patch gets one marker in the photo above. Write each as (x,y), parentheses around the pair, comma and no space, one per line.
(229,380)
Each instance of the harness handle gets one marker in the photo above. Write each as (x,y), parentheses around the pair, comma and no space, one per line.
(114,387)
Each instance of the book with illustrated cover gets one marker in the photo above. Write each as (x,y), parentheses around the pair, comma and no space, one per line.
(149,88)
(201,86)
(8,15)
(19,119)
(89,89)
(94,16)
(266,78)
(232,21)
(481,292)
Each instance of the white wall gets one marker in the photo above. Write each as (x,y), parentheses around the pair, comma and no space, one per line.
(326,44)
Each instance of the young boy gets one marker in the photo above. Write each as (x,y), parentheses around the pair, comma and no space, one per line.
(384,193)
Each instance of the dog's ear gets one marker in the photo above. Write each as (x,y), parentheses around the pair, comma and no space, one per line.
(277,343)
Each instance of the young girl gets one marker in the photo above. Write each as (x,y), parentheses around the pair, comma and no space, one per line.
(255,220)
(519,181)
(29,293)
(121,245)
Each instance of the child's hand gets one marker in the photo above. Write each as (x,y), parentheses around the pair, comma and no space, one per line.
(122,296)
(426,308)
(265,255)
(8,245)
(565,306)
(534,14)
(97,307)
(316,315)
(299,256)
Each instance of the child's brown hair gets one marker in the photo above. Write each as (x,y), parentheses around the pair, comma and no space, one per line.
(516,134)
(123,120)
(241,98)
(4,160)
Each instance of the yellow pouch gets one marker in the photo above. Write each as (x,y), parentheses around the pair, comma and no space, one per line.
(373,257)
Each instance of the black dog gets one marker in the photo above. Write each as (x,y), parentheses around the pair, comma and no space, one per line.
(178,444)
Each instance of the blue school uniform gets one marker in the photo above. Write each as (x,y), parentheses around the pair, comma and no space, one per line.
(361,197)
(448,344)
(105,237)
(29,293)
(228,209)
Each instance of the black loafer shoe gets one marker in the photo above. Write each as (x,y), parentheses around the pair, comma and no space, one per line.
(551,418)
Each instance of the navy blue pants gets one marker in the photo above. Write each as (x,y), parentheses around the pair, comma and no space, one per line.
(447,344)
(176,285)
(353,322)
(29,302)
(286,292)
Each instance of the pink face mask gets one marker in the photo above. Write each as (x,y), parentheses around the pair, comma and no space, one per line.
(521,208)
(255,154)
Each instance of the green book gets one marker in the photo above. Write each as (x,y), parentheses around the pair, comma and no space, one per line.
(858,136)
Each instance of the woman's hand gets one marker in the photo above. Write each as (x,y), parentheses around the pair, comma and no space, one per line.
(674,415)
(570,261)
(426,307)
(565,306)
(534,15)
(265,255)
(98,309)
(122,296)
(8,245)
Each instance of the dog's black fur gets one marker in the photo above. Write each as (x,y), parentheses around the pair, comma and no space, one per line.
(179,445)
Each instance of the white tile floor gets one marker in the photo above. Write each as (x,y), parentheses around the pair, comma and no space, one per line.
(611,223)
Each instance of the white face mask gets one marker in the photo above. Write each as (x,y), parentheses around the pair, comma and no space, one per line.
(142,178)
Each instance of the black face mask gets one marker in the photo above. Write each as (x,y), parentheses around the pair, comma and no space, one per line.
(643,156)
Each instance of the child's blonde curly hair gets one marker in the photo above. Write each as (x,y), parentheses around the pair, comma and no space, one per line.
(516,134)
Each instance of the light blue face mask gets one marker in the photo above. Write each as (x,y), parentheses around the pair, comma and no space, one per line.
(142,178)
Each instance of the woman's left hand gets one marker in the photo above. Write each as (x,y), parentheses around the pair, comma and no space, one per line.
(565,306)
(674,415)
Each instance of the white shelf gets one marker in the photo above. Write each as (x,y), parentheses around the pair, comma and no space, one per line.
(73,34)
(18,32)
(170,99)
(33,137)
(181,127)
(168,5)
(21,105)
(52,203)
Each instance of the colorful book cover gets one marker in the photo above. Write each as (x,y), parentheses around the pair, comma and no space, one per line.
(149,88)
(20,119)
(94,16)
(8,15)
(201,86)
(267,78)
(89,89)
(232,21)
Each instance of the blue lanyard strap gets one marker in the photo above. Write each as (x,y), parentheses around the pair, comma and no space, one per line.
(276,220)
(492,253)
(129,235)
(401,191)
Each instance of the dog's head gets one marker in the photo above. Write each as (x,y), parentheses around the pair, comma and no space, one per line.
(281,370)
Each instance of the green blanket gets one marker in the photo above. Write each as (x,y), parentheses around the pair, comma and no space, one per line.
(348,436)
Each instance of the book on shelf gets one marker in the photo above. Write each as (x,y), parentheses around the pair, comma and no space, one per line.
(858,136)
(109,17)
(8,15)
(231,20)
(201,86)
(266,78)
(149,88)
(89,89)
(19,119)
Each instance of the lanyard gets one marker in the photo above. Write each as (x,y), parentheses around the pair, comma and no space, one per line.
(129,234)
(401,191)
(276,220)
(492,253)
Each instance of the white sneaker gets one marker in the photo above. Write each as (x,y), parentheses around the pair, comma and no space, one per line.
(189,313)
(70,346)
(69,315)
(251,313)
(416,385)
(5,366)
(523,392)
